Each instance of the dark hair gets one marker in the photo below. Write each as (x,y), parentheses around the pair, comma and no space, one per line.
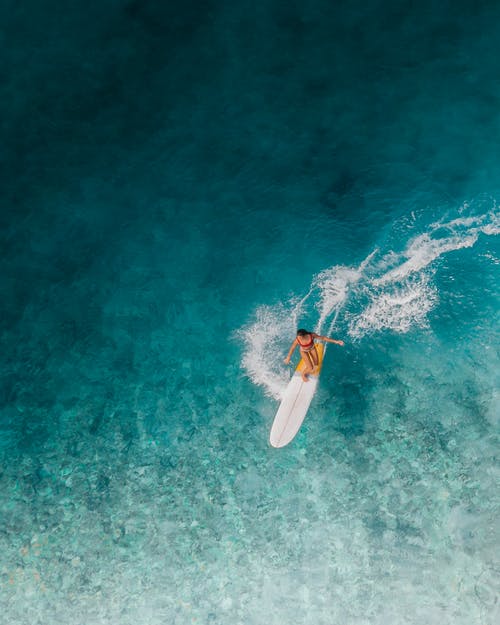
(302,332)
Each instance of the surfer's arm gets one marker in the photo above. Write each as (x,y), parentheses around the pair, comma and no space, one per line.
(292,348)
(328,340)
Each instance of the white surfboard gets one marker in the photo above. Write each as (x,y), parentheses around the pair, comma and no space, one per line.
(295,403)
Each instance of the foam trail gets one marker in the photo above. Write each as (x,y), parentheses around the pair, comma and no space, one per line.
(394,292)
(332,325)
(298,308)
(335,285)
(264,337)
(403,295)
(421,252)
(441,238)
(264,349)
(399,310)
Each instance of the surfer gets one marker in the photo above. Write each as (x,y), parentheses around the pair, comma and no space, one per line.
(305,341)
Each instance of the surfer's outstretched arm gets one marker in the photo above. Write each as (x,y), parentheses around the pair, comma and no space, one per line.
(292,349)
(328,340)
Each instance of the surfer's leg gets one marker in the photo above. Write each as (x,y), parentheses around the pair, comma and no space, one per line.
(314,357)
(309,365)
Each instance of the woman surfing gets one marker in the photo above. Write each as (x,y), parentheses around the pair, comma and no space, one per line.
(305,341)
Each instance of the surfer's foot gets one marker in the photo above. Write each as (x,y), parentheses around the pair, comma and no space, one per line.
(305,378)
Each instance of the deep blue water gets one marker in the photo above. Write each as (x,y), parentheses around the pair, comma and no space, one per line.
(181,187)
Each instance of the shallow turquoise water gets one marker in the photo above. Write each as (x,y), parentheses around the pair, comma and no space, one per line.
(180,191)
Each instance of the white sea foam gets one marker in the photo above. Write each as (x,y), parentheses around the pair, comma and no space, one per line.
(441,238)
(421,252)
(402,295)
(398,309)
(391,291)
(333,286)
(263,340)
(264,337)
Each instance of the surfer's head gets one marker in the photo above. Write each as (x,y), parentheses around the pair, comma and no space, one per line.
(303,332)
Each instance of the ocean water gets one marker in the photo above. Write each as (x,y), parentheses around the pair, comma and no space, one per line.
(183,186)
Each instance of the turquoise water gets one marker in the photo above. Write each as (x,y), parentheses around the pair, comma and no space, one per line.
(180,190)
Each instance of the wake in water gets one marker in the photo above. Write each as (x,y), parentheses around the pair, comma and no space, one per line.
(391,291)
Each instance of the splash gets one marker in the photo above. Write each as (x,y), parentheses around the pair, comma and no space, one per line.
(441,238)
(263,338)
(333,286)
(388,291)
(400,309)
(400,293)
